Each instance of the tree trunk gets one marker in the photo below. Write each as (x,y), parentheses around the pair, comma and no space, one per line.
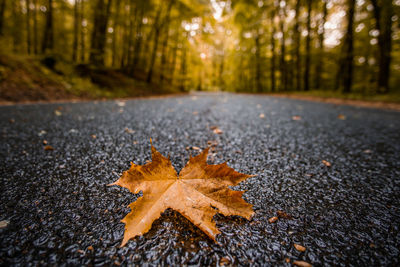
(83,35)
(157,28)
(165,42)
(321,36)
(48,37)
(273,82)
(115,33)
(99,34)
(297,59)
(183,69)
(35,28)
(282,65)
(28,26)
(138,39)
(76,33)
(349,53)
(383,15)
(2,10)
(308,48)
(258,64)
(17,25)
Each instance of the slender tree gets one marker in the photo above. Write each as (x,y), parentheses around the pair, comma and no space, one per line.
(48,36)
(308,48)
(2,10)
(165,42)
(98,42)
(383,12)
(273,52)
(349,49)
(76,32)
(258,62)
(321,37)
(82,30)
(296,37)
(35,27)
(28,26)
(157,28)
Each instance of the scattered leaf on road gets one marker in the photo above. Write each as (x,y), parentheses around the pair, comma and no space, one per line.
(326,163)
(57,112)
(296,118)
(262,115)
(216,130)
(224,261)
(282,214)
(272,219)
(341,117)
(48,147)
(198,193)
(299,247)
(129,131)
(4,224)
(302,264)
(93,136)
(367,151)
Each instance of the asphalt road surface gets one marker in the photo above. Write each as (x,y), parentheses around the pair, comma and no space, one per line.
(56,209)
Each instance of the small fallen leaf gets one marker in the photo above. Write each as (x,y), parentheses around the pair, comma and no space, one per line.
(57,112)
(11,120)
(195,148)
(287,260)
(198,193)
(262,115)
(48,147)
(121,103)
(341,117)
(302,264)
(195,113)
(42,132)
(367,151)
(282,214)
(90,248)
(272,219)
(44,142)
(93,136)
(135,142)
(129,131)
(224,261)
(216,130)
(327,163)
(4,224)
(296,118)
(299,247)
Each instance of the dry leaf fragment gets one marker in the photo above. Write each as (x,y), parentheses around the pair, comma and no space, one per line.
(284,215)
(48,147)
(44,142)
(287,260)
(93,136)
(216,130)
(326,163)
(129,131)
(198,193)
(272,219)
(341,117)
(299,247)
(262,115)
(4,224)
(224,261)
(296,118)
(302,264)
(195,148)
(57,112)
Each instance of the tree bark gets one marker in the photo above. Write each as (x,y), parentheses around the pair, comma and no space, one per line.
(383,12)
(308,48)
(35,28)
(99,33)
(297,59)
(115,33)
(157,28)
(282,65)
(321,36)
(273,56)
(48,37)
(258,64)
(2,10)
(349,53)
(83,34)
(76,33)
(28,26)
(165,42)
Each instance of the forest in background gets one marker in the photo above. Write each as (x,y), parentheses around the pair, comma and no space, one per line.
(328,46)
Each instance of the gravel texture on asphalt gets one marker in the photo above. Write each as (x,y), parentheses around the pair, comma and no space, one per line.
(56,207)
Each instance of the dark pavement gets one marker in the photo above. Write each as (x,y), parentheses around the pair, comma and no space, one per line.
(56,209)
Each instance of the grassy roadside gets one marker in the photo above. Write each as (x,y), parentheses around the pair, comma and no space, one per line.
(30,78)
(393,97)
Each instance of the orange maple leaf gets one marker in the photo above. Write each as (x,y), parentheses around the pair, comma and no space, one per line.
(198,193)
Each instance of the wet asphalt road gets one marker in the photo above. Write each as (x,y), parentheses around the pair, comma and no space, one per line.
(56,209)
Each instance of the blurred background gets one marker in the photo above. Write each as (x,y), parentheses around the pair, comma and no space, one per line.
(62,49)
